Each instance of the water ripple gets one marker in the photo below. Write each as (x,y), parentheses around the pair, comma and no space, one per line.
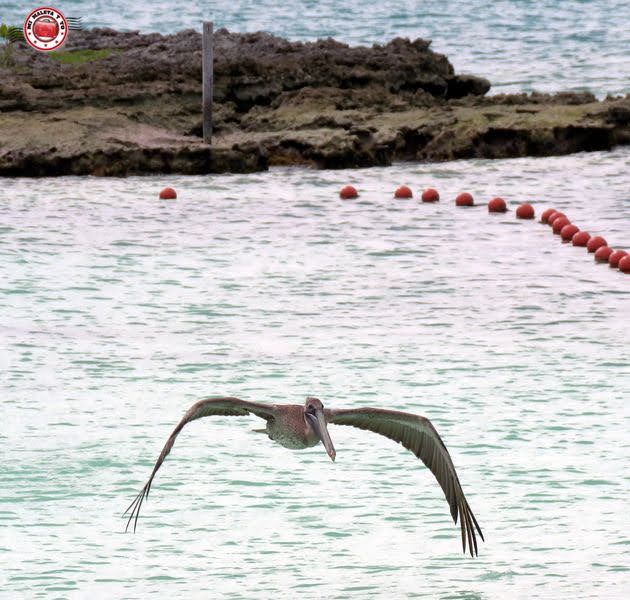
(515,345)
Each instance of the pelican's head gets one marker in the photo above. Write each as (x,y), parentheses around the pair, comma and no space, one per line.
(315,417)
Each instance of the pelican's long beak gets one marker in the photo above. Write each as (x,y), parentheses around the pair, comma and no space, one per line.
(318,422)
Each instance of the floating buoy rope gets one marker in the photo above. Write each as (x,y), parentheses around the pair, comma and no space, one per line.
(560,224)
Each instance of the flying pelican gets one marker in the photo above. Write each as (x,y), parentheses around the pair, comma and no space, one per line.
(297,427)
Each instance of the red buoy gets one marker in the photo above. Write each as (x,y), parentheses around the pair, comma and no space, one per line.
(615,257)
(525,211)
(403,192)
(568,231)
(602,253)
(464,199)
(551,215)
(546,214)
(559,223)
(581,238)
(595,242)
(348,192)
(430,195)
(554,216)
(497,205)
(168,193)
(624,264)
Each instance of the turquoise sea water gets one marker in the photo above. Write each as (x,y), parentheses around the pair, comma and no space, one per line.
(517,44)
(120,310)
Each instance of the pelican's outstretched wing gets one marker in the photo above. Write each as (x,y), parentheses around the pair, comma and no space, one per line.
(204,408)
(417,434)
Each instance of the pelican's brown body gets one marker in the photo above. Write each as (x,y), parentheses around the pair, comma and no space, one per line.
(289,428)
(298,427)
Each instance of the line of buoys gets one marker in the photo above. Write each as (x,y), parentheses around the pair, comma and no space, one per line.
(559,222)
(168,193)
(497,205)
(403,192)
(571,233)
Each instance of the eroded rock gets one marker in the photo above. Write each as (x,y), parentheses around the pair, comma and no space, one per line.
(137,109)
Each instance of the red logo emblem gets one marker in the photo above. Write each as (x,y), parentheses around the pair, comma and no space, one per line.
(45,29)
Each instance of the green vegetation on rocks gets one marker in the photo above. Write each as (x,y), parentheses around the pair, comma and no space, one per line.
(74,57)
(9,34)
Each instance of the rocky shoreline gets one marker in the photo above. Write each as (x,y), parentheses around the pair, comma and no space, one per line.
(134,107)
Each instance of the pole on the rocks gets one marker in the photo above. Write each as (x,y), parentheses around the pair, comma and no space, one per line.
(207,59)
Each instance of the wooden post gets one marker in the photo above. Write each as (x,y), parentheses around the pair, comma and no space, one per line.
(207,59)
